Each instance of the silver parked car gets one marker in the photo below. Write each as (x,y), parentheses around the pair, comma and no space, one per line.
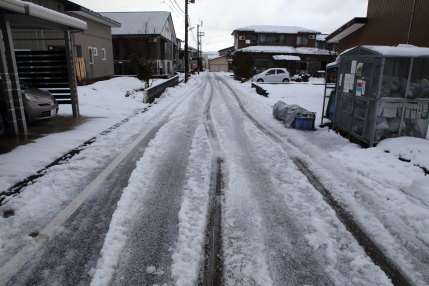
(272,75)
(38,104)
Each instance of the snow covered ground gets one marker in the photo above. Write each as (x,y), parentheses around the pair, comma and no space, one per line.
(102,104)
(309,96)
(385,189)
(388,196)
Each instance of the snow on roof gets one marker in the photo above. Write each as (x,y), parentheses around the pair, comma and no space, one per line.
(331,65)
(286,50)
(286,58)
(213,57)
(276,29)
(138,23)
(193,50)
(321,37)
(399,51)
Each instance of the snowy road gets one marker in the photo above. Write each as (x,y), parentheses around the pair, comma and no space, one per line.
(205,193)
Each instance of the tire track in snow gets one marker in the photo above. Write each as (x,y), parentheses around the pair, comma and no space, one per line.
(211,273)
(62,254)
(370,247)
(137,249)
(256,212)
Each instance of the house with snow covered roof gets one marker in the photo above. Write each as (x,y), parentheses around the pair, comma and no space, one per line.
(296,48)
(149,34)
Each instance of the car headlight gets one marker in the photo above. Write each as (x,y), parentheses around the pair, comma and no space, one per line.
(30,97)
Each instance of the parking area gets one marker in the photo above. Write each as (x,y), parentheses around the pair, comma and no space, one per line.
(39,129)
(26,16)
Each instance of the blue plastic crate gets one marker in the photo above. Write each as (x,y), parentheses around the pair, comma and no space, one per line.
(304,123)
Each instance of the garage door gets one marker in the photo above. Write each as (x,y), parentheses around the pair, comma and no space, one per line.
(217,68)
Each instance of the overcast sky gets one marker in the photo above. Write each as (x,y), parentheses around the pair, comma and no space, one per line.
(221,17)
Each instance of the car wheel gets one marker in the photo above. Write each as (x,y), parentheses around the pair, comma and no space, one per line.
(260,80)
(286,80)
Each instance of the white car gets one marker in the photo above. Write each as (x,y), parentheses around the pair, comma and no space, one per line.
(272,75)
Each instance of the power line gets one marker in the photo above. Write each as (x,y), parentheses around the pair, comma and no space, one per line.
(174,11)
(178,6)
(174,7)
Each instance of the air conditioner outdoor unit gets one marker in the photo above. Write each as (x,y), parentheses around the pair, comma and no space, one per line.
(311,37)
(152,40)
(242,38)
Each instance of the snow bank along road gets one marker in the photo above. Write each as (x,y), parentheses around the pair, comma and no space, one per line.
(198,190)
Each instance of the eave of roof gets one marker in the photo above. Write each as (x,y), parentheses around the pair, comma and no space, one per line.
(96,17)
(270,29)
(226,49)
(288,50)
(401,50)
(346,29)
(286,58)
(42,14)
(72,7)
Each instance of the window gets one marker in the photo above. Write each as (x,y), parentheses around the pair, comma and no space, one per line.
(280,71)
(271,39)
(95,52)
(271,72)
(90,55)
(302,41)
(103,54)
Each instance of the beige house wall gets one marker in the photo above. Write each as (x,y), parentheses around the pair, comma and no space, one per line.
(218,64)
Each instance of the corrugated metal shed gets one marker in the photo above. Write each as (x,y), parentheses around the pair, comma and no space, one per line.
(138,23)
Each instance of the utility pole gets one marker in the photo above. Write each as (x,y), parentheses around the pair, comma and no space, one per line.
(186,40)
(198,48)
